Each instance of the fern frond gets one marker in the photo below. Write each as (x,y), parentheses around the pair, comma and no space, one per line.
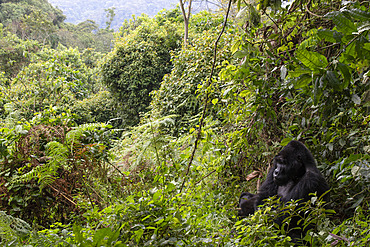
(157,123)
(149,133)
(77,132)
(46,173)
(12,228)
(141,155)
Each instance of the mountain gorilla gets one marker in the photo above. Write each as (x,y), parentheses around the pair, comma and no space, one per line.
(294,176)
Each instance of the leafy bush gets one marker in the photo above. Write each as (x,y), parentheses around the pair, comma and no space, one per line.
(59,78)
(99,108)
(179,90)
(261,229)
(351,178)
(45,163)
(14,52)
(12,229)
(53,78)
(137,65)
(353,231)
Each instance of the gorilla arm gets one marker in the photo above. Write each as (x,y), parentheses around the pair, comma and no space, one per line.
(247,203)
(311,182)
(267,189)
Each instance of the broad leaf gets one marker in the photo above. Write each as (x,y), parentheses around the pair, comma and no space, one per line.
(285,141)
(343,24)
(302,81)
(312,60)
(345,72)
(283,72)
(298,72)
(328,35)
(333,81)
(358,14)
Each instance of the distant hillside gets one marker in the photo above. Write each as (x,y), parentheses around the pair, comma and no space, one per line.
(81,10)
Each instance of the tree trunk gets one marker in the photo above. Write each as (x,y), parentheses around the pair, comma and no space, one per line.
(186,19)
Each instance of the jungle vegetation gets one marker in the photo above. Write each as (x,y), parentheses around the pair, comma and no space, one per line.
(135,138)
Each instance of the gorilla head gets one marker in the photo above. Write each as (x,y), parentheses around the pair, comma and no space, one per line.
(290,164)
(293,176)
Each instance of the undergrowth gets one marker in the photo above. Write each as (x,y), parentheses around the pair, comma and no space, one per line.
(297,72)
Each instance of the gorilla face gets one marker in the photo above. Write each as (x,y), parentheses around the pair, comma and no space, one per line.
(281,171)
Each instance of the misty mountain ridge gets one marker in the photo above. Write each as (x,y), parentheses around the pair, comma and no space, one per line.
(78,11)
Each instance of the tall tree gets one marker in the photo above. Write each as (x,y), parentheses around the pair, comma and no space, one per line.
(186,16)
(137,65)
(110,14)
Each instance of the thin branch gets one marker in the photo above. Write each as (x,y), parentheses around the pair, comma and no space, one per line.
(343,50)
(309,11)
(201,121)
(182,8)
(200,180)
(63,194)
(264,12)
(189,9)
(115,167)
(312,13)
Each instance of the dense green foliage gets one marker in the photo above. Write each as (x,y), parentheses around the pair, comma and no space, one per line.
(138,63)
(39,20)
(14,52)
(206,120)
(177,94)
(57,78)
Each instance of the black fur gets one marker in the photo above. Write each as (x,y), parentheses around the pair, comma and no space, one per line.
(247,203)
(293,176)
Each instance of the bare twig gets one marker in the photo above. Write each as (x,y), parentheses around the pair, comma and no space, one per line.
(115,167)
(200,180)
(343,50)
(309,11)
(63,195)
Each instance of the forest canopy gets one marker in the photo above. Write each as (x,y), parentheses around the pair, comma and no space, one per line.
(141,137)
